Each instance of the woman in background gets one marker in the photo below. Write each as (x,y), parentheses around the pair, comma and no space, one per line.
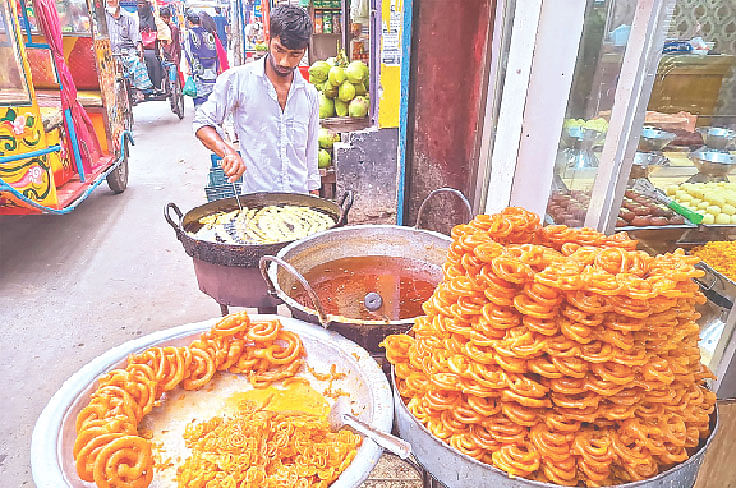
(200,51)
(148,28)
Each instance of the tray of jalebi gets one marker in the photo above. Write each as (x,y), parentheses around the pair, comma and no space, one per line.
(555,356)
(235,402)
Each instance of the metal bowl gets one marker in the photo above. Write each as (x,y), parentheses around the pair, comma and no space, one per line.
(456,470)
(346,242)
(652,139)
(712,163)
(718,138)
(576,136)
(281,272)
(53,436)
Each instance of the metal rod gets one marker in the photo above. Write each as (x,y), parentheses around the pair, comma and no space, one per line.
(404,108)
(237,196)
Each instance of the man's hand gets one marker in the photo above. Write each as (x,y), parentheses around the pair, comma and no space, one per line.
(233,166)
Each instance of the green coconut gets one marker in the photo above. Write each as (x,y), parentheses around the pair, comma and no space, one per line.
(358,107)
(355,72)
(330,90)
(326,107)
(319,71)
(326,138)
(341,108)
(359,88)
(347,91)
(336,75)
(324,159)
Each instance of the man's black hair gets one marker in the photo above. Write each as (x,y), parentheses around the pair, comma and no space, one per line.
(292,26)
(164,11)
(193,17)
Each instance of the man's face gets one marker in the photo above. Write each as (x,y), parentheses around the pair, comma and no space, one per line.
(141,3)
(166,18)
(284,61)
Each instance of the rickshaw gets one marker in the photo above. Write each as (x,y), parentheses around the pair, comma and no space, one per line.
(65,118)
(173,80)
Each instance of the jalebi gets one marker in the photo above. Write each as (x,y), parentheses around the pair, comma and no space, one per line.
(557,354)
(258,448)
(109,450)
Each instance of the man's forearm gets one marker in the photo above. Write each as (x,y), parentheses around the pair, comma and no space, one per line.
(212,141)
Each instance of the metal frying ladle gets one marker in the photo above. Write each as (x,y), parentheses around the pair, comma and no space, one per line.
(237,196)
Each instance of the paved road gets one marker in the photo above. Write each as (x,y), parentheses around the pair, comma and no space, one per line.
(73,286)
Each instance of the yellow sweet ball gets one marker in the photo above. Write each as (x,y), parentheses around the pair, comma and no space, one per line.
(709,219)
(713,210)
(671,190)
(703,205)
(723,219)
(733,219)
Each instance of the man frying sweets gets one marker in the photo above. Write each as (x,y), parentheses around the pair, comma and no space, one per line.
(276,114)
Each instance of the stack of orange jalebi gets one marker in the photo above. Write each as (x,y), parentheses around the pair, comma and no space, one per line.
(259,448)
(108,449)
(559,355)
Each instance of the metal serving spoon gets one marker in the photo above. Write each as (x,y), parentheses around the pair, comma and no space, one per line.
(340,416)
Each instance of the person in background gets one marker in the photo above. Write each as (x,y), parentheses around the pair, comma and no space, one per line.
(221,23)
(200,51)
(209,25)
(125,42)
(276,114)
(172,49)
(149,36)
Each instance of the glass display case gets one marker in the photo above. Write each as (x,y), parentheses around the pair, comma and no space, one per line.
(13,83)
(596,75)
(680,135)
(630,127)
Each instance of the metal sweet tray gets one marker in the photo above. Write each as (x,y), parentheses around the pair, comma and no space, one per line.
(53,436)
(456,470)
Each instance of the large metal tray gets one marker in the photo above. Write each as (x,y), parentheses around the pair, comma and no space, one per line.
(53,436)
(456,470)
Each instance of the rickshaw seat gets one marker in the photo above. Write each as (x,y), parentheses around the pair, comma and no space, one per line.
(52,118)
(90,98)
(51,97)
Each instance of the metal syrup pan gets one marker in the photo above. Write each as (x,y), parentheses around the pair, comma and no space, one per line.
(54,434)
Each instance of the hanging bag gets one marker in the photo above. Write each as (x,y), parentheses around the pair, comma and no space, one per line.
(148,39)
(190,89)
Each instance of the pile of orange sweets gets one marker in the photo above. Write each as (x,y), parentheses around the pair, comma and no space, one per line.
(559,355)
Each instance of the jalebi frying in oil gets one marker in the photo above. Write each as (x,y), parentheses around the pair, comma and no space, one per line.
(560,355)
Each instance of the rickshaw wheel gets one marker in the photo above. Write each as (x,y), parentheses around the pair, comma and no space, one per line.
(177,99)
(117,180)
(180,106)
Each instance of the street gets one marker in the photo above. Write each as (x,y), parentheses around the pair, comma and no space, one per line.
(74,286)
